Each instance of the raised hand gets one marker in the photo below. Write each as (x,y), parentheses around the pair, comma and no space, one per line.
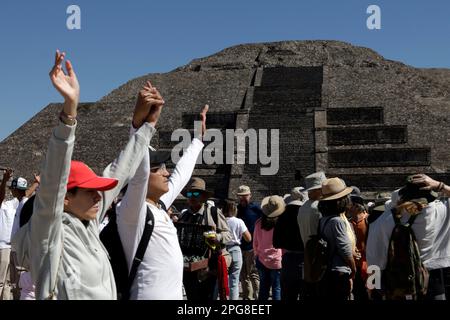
(148,106)
(67,85)
(203,119)
(37,178)
(32,189)
(426,182)
(8,174)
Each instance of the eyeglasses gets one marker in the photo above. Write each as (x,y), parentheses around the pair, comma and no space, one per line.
(158,169)
(194,194)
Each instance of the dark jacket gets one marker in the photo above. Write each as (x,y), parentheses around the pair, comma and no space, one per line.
(249,215)
(286,234)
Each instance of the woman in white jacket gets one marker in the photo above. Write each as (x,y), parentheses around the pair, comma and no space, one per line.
(61,242)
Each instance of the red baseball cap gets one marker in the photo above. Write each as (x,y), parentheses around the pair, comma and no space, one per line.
(81,176)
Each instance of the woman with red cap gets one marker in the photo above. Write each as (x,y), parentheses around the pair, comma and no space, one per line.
(60,245)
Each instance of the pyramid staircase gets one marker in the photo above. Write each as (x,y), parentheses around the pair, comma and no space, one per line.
(358,140)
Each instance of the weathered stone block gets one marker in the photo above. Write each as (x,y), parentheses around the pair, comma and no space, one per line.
(379,157)
(367,135)
(360,115)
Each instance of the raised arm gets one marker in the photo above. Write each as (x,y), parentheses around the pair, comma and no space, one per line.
(34,185)
(133,202)
(430,184)
(50,200)
(67,86)
(55,171)
(45,225)
(124,167)
(185,166)
(7,174)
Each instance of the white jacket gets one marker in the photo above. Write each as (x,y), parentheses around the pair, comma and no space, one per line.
(64,256)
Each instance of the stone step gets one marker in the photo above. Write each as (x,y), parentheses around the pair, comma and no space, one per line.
(296,77)
(213,120)
(370,157)
(367,135)
(275,108)
(284,95)
(283,100)
(360,115)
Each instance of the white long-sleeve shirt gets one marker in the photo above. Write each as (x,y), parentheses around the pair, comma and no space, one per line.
(308,219)
(432,230)
(7,214)
(160,274)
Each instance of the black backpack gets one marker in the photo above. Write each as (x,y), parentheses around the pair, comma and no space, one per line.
(111,240)
(317,256)
(405,274)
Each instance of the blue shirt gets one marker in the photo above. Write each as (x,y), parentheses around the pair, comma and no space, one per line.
(249,215)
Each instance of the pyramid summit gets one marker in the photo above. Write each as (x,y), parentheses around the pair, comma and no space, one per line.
(339,108)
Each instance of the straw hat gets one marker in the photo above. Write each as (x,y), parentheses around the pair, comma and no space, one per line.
(273,206)
(197,184)
(334,188)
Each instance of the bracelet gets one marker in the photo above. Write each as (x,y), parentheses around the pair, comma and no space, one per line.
(441,186)
(66,119)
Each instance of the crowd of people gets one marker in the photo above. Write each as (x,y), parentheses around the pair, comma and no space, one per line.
(322,240)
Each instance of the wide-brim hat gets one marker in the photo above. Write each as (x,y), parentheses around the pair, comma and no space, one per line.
(314,181)
(334,188)
(197,184)
(273,206)
(81,176)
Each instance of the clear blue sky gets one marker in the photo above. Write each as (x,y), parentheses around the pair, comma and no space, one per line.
(120,40)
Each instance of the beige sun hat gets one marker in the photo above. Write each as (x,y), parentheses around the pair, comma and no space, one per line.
(273,206)
(334,188)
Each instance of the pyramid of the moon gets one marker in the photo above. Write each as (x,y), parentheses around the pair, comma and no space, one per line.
(338,108)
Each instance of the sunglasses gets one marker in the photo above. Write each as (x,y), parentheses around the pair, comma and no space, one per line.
(158,169)
(194,194)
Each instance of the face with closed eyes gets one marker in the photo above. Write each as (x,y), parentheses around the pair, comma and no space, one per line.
(82,203)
